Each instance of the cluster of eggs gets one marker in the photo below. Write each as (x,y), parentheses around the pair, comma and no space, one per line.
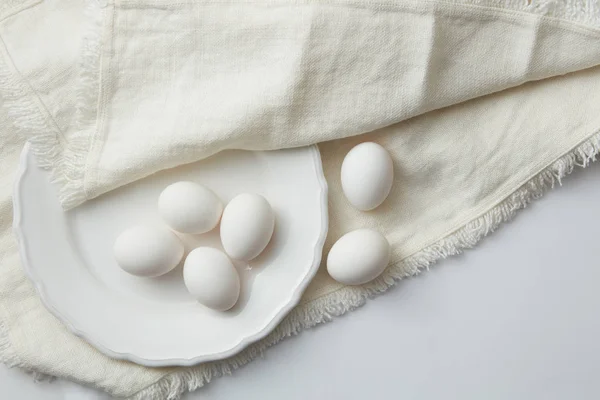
(362,255)
(246,227)
(247,224)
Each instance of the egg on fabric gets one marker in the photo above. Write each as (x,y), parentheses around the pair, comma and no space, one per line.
(246,226)
(367,175)
(188,207)
(358,257)
(211,278)
(148,251)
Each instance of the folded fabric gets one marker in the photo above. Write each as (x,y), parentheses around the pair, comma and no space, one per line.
(168,83)
(482,104)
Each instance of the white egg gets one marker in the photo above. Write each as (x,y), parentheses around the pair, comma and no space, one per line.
(148,251)
(188,207)
(367,175)
(246,226)
(211,278)
(358,257)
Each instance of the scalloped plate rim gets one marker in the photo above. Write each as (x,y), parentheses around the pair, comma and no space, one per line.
(186,362)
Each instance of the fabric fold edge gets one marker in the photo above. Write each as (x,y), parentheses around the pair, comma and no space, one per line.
(88,90)
(63,153)
(585,12)
(34,123)
(348,298)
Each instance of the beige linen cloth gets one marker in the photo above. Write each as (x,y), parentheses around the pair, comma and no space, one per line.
(483,105)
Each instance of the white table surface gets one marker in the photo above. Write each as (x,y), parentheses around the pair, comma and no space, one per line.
(515,318)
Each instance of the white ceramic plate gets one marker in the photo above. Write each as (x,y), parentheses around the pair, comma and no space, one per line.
(155,322)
